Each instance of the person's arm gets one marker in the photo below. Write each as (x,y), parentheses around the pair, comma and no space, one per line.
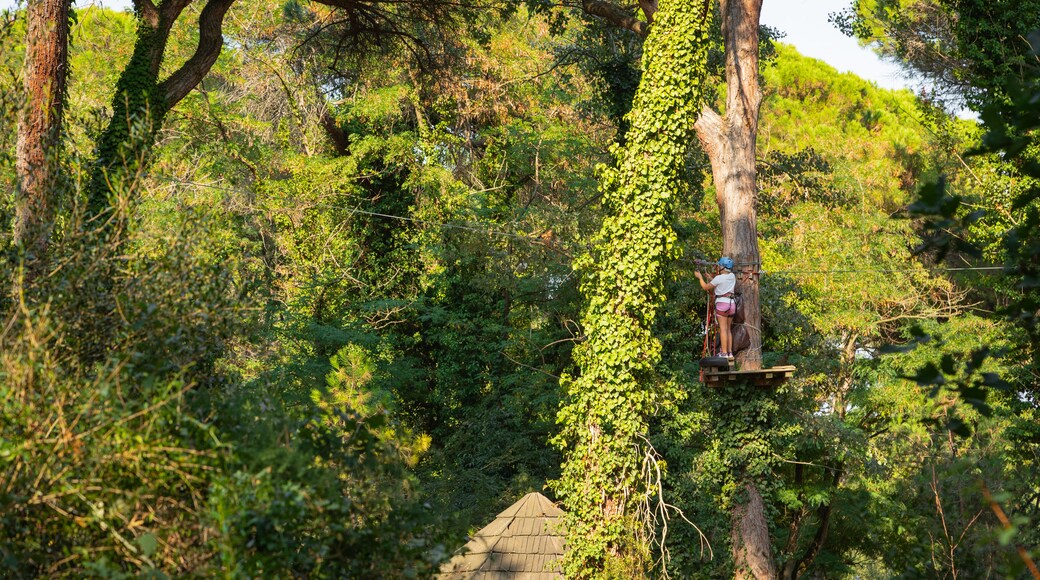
(705,285)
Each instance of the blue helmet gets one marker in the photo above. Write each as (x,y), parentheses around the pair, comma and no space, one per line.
(726,262)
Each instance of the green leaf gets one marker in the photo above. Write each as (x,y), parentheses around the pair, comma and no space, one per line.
(148,544)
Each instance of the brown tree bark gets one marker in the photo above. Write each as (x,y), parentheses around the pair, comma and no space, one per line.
(39,128)
(622,16)
(730,140)
(749,536)
(211,41)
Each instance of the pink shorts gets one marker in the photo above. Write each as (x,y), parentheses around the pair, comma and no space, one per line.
(725,308)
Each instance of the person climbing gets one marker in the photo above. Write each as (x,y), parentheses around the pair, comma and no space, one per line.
(724,283)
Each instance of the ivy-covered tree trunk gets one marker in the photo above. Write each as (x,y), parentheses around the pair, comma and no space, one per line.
(39,128)
(139,106)
(141,101)
(730,142)
(605,418)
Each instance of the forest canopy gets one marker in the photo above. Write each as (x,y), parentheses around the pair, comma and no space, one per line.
(317,289)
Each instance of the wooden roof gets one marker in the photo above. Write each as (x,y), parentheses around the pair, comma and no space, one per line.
(523,543)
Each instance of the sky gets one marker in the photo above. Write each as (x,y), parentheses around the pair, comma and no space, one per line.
(803,21)
(806,25)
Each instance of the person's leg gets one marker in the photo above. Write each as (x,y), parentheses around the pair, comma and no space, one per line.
(724,330)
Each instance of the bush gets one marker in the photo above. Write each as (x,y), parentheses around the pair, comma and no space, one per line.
(104,462)
(129,445)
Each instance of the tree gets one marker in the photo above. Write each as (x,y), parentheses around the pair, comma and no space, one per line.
(986,53)
(141,96)
(40,127)
(1011,134)
(142,100)
(604,483)
(730,140)
(967,49)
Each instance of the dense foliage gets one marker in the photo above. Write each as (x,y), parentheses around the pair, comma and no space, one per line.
(327,334)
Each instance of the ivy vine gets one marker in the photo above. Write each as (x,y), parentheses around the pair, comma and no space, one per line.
(605,416)
(138,109)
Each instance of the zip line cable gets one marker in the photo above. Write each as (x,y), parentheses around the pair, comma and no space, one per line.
(535,240)
(478,230)
(886,271)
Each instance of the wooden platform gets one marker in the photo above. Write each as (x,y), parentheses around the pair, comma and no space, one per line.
(717,377)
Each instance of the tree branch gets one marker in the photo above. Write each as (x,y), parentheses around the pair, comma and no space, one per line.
(709,129)
(211,41)
(649,9)
(824,515)
(620,17)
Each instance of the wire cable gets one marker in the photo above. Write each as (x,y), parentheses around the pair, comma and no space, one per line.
(886,271)
(535,240)
(475,229)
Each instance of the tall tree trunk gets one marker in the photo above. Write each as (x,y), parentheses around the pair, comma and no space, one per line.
(823,515)
(39,128)
(751,548)
(730,143)
(730,140)
(606,414)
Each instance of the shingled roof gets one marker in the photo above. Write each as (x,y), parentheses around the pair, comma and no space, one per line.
(523,543)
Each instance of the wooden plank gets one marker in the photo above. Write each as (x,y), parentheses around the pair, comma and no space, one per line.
(762,377)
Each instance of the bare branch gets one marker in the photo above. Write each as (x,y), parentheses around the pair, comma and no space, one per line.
(709,129)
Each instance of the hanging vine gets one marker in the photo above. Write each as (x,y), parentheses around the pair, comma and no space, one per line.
(608,405)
